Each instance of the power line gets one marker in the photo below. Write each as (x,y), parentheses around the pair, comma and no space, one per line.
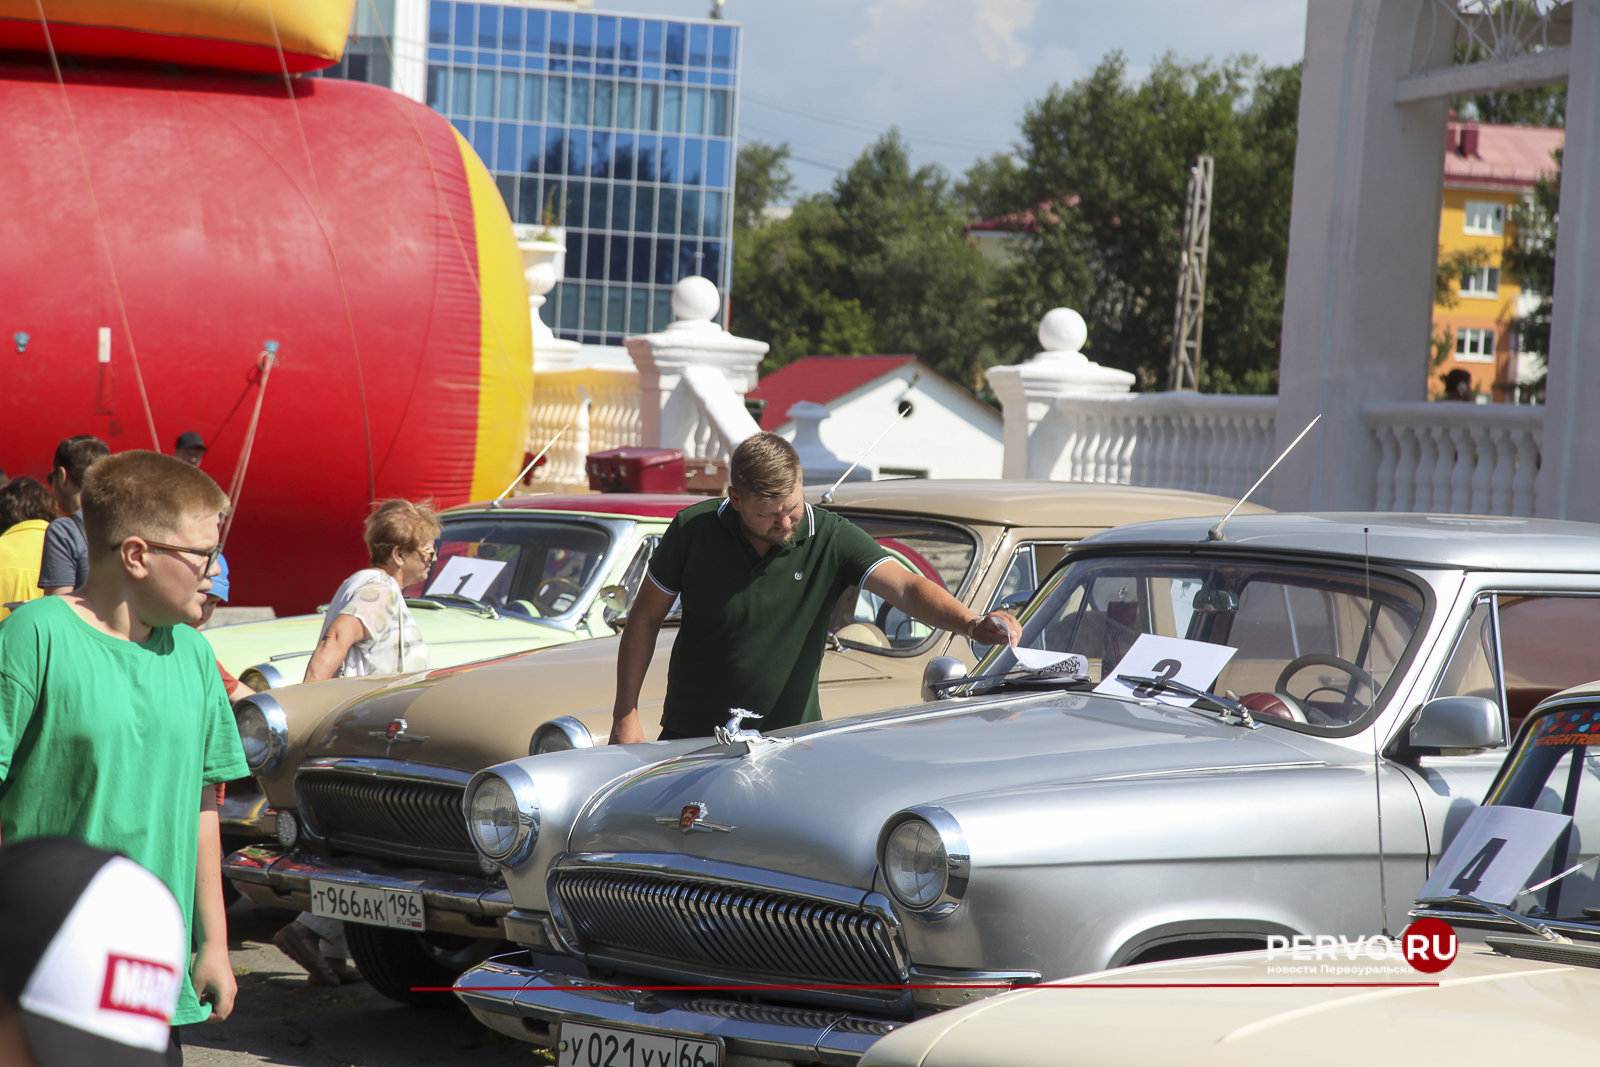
(910,135)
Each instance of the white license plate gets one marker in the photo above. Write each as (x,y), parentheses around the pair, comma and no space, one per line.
(583,1045)
(399,908)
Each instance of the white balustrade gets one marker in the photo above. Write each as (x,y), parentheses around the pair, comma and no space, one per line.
(1201,442)
(599,406)
(1462,459)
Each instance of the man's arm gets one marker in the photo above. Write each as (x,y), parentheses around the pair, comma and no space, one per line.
(638,647)
(926,602)
(213,970)
(330,651)
(58,567)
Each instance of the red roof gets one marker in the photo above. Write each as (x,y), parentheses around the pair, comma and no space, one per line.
(1492,155)
(644,505)
(818,379)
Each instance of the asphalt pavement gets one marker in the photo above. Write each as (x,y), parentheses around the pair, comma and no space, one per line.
(282,1019)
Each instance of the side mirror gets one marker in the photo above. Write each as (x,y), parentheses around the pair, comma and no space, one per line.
(1458,723)
(616,598)
(940,669)
(1015,601)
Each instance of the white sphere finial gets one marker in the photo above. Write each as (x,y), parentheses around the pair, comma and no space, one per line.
(1062,330)
(695,299)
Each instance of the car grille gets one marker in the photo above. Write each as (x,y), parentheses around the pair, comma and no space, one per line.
(731,929)
(395,811)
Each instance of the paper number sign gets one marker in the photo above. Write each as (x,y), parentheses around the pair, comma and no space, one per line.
(1495,852)
(1194,663)
(466,576)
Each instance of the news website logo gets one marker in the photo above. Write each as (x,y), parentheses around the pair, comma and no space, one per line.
(1428,945)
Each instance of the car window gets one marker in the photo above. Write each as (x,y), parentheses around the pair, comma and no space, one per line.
(1546,646)
(1317,645)
(1030,561)
(633,577)
(942,553)
(544,566)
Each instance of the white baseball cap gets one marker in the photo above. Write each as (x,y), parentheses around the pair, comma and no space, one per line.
(92,954)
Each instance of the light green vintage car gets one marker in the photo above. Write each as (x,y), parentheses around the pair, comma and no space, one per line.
(521,574)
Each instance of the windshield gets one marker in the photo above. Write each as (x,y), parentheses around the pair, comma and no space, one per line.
(941,553)
(533,568)
(1556,767)
(1316,645)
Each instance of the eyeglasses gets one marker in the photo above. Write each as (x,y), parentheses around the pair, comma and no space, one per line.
(209,554)
(427,552)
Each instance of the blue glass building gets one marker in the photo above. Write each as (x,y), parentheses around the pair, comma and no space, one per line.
(619,128)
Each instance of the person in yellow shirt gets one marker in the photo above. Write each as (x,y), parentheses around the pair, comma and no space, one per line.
(26,509)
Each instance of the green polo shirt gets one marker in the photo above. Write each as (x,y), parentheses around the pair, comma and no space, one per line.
(754,627)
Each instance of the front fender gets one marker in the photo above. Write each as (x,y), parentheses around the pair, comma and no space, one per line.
(307,710)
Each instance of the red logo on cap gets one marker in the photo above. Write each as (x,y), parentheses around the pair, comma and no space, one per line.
(139,987)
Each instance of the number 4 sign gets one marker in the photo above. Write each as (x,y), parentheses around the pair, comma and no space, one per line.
(1495,852)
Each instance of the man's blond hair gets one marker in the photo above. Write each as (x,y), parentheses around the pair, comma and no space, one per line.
(399,524)
(144,494)
(764,465)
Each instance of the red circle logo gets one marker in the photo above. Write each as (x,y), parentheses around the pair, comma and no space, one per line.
(1429,945)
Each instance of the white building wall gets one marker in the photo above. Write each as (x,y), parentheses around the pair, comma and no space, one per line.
(949,434)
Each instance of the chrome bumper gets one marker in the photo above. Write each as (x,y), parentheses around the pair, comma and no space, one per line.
(247,815)
(530,1004)
(452,903)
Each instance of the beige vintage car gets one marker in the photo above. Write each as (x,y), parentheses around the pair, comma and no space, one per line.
(365,777)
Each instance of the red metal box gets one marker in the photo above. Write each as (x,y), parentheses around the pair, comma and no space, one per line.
(636,470)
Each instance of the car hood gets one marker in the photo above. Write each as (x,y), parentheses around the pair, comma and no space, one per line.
(814,806)
(1486,1008)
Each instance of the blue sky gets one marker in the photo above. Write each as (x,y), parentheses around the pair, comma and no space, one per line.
(829,75)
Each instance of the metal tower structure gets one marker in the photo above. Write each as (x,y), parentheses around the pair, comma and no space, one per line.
(1189,317)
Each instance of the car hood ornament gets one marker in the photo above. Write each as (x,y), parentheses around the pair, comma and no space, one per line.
(733,732)
(396,732)
(692,820)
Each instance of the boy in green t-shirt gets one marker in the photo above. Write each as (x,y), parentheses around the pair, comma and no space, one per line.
(113,722)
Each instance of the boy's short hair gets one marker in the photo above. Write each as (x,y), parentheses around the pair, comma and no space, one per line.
(144,494)
(24,498)
(77,454)
(399,524)
(764,465)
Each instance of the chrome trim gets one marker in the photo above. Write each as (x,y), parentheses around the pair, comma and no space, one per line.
(834,1037)
(269,673)
(277,730)
(577,733)
(526,796)
(288,870)
(960,985)
(385,768)
(958,858)
(399,771)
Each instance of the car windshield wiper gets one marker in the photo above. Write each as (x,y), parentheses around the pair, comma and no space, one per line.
(1533,926)
(486,610)
(1222,705)
(993,681)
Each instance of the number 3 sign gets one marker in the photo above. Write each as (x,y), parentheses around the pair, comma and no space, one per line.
(1494,853)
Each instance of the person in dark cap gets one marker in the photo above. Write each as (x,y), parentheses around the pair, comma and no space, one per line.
(92,948)
(191,448)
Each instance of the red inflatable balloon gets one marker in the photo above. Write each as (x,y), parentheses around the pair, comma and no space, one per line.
(162,225)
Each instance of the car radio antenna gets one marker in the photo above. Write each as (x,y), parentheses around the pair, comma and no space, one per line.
(905,409)
(1377,767)
(1215,533)
(495,503)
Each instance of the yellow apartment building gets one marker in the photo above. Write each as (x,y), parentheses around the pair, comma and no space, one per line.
(1488,168)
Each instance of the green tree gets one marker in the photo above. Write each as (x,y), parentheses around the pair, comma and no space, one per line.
(1531,260)
(764,180)
(1103,166)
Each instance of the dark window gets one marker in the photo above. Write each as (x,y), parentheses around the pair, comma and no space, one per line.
(621,209)
(667,218)
(598,199)
(532,210)
(692,149)
(622,160)
(616,305)
(555,151)
(721,113)
(599,155)
(596,262)
(575,203)
(438,23)
(619,268)
(438,86)
(644,215)
(688,258)
(574,270)
(666,252)
(506,152)
(691,213)
(507,184)
(717,164)
(580,102)
(711,265)
(641,270)
(593,310)
(647,159)
(675,37)
(711,216)
(577,152)
(668,167)
(483,140)
(555,109)
(531,137)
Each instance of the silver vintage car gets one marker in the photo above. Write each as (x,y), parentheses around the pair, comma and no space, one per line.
(797,896)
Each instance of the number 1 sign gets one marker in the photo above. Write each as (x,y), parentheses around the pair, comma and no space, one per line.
(1494,853)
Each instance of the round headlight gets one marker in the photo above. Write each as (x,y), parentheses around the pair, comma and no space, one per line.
(551,741)
(263,731)
(494,818)
(915,863)
(288,829)
(559,735)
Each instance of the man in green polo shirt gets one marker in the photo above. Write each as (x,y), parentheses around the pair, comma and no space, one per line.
(759,573)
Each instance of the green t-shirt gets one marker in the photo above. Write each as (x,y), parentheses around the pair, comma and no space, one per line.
(110,742)
(754,627)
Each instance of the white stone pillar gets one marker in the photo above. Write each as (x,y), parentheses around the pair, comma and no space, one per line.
(1358,303)
(544,256)
(1028,391)
(820,464)
(1569,468)
(670,414)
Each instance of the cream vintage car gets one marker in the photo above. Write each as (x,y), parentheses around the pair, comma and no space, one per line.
(1525,979)
(365,777)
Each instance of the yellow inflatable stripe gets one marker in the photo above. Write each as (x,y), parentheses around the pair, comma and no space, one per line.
(505,362)
(310,27)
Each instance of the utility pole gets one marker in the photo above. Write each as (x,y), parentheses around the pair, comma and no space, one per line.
(1188,318)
